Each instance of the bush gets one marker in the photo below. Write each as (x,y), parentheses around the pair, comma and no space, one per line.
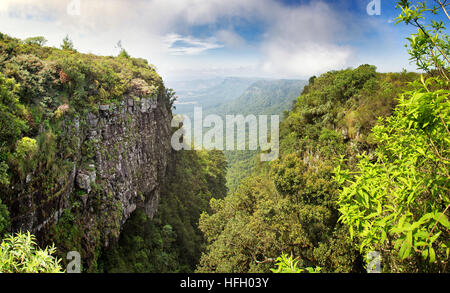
(40,41)
(10,112)
(4,177)
(4,218)
(20,254)
(26,148)
(286,264)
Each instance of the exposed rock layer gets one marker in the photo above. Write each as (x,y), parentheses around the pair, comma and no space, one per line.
(120,156)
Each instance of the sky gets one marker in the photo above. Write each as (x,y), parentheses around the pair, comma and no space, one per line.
(201,39)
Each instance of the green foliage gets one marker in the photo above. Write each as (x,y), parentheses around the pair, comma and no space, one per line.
(37,78)
(12,124)
(290,205)
(430,46)
(397,200)
(240,165)
(4,178)
(39,41)
(11,113)
(286,264)
(124,54)
(19,254)
(265,97)
(143,247)
(4,218)
(26,148)
(50,77)
(67,44)
(243,228)
(171,241)
(23,159)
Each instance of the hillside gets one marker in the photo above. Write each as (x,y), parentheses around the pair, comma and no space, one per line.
(264,97)
(289,205)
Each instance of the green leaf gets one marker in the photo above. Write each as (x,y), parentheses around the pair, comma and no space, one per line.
(432,254)
(443,220)
(405,250)
(434,237)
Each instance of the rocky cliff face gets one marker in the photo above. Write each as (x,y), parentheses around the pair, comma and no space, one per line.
(119,154)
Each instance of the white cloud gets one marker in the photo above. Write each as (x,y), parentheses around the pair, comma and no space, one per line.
(305,41)
(230,39)
(179,45)
(305,60)
(298,41)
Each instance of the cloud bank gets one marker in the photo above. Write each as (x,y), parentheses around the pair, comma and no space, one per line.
(177,35)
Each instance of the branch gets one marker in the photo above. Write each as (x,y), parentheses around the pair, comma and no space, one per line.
(266,260)
(443,213)
(443,8)
(431,39)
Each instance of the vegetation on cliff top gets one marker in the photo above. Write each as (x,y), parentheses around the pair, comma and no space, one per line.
(43,90)
(40,85)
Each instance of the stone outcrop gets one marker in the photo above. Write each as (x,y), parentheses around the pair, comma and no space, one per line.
(120,153)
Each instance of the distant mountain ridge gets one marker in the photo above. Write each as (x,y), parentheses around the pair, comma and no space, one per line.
(209,93)
(269,97)
(262,97)
(236,95)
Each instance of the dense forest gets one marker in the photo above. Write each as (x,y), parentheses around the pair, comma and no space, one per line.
(171,242)
(290,205)
(362,173)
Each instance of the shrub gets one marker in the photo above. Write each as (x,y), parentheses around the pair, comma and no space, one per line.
(40,41)
(20,254)
(286,264)
(10,112)
(26,148)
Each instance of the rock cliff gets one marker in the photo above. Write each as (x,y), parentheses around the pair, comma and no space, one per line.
(84,142)
(121,153)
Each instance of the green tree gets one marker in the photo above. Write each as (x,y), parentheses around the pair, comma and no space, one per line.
(67,44)
(123,53)
(290,205)
(40,41)
(26,148)
(11,112)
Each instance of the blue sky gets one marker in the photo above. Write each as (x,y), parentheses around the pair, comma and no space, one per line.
(191,39)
